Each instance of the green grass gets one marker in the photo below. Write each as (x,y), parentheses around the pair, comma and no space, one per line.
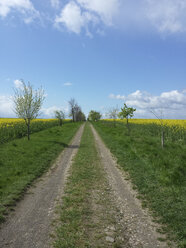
(22,161)
(75,207)
(159,174)
(86,208)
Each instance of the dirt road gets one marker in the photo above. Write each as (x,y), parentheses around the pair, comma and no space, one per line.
(136,222)
(30,225)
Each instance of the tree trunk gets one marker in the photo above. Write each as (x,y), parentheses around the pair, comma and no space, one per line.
(28,130)
(128,126)
(162,138)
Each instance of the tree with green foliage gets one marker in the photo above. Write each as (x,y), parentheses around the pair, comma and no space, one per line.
(126,113)
(80,116)
(60,115)
(75,111)
(28,103)
(94,115)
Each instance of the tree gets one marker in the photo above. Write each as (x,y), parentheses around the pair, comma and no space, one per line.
(79,115)
(75,111)
(60,115)
(72,104)
(160,118)
(94,115)
(113,114)
(28,103)
(126,113)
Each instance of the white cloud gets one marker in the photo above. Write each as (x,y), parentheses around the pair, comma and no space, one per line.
(119,97)
(6,106)
(55,3)
(173,103)
(71,17)
(79,15)
(49,112)
(67,84)
(7,109)
(167,15)
(164,16)
(106,10)
(18,84)
(24,7)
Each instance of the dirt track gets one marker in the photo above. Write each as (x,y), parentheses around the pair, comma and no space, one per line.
(136,222)
(30,225)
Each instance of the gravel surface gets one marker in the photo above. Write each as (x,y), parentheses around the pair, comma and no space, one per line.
(137,223)
(29,226)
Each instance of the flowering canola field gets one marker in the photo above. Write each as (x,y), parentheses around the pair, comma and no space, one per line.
(12,128)
(14,121)
(170,123)
(173,129)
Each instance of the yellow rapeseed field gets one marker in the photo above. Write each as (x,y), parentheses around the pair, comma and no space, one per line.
(170,123)
(11,128)
(13,121)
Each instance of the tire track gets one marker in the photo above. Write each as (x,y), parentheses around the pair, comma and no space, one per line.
(30,225)
(138,225)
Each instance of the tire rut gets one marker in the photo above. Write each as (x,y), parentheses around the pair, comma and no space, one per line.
(137,223)
(30,224)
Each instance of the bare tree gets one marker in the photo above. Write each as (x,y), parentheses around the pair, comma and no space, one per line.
(77,110)
(160,118)
(72,104)
(60,115)
(113,114)
(28,103)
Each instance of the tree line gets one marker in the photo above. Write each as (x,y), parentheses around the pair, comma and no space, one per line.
(113,113)
(28,103)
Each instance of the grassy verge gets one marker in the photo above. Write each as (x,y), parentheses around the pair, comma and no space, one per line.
(22,161)
(87,209)
(159,174)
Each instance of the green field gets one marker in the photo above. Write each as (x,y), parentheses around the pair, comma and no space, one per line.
(22,161)
(158,174)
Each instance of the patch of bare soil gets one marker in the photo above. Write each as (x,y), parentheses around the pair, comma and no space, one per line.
(29,226)
(133,226)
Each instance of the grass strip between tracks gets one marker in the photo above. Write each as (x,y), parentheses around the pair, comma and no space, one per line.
(22,161)
(86,206)
(75,208)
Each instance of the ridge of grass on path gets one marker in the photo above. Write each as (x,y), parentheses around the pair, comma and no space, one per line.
(22,161)
(87,208)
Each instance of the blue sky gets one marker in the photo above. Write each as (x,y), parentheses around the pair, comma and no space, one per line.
(102,53)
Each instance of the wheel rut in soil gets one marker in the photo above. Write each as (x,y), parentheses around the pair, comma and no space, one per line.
(29,226)
(136,221)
